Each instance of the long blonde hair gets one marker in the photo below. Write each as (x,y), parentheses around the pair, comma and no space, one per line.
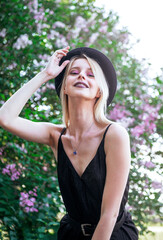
(101,103)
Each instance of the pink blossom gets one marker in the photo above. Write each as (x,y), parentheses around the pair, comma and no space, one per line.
(24,195)
(12,171)
(12,66)
(22,42)
(149,164)
(156,185)
(59,24)
(119,112)
(53,34)
(39,15)
(3,33)
(4,171)
(45,168)
(128,207)
(138,130)
(33,6)
(50,86)
(33,199)
(15,176)
(44,57)
(148,117)
(124,38)
(104,27)
(37,96)
(126,121)
(27,209)
(61,42)
(93,37)
(133,148)
(28,201)
(80,22)
(33,209)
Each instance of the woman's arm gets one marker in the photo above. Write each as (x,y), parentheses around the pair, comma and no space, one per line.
(117,148)
(9,112)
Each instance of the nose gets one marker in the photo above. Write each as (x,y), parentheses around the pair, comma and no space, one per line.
(81,76)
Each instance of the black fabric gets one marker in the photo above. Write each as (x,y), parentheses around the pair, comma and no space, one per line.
(101,59)
(82,196)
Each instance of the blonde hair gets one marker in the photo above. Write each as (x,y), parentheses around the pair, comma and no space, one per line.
(101,103)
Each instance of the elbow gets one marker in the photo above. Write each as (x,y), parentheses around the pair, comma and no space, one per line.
(3,120)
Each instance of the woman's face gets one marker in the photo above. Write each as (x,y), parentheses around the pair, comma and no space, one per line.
(81,82)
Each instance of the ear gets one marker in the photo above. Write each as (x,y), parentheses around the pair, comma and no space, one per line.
(98,93)
(65,92)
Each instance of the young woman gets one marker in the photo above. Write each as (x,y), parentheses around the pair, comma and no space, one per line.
(93,153)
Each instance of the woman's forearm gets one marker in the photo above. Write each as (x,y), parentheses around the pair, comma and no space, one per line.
(12,108)
(104,228)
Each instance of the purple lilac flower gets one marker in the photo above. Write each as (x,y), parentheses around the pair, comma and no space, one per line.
(149,164)
(11,170)
(28,201)
(138,130)
(12,66)
(22,42)
(50,86)
(149,115)
(119,112)
(157,185)
(59,24)
(3,33)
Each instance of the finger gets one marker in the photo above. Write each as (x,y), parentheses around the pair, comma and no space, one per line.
(66,48)
(64,64)
(61,52)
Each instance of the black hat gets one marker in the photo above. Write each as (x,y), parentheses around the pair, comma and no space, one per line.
(101,59)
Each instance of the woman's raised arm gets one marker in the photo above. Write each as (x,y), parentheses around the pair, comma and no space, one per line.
(9,112)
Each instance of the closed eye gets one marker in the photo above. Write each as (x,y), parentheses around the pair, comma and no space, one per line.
(74,72)
(90,74)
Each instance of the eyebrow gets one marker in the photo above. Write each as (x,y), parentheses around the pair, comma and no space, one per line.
(79,68)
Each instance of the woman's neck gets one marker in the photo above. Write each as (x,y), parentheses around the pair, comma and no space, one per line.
(81,116)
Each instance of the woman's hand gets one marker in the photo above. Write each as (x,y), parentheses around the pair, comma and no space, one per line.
(53,69)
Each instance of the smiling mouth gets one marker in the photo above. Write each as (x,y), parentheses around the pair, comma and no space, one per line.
(81,85)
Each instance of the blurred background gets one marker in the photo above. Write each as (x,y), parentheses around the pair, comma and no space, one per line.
(130,34)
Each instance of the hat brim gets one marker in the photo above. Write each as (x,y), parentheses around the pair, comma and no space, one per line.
(101,59)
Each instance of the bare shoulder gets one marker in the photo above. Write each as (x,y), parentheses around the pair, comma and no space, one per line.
(116,132)
(116,138)
(55,132)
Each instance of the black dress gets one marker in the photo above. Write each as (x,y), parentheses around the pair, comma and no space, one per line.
(82,196)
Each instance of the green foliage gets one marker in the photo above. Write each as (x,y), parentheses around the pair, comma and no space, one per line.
(30,32)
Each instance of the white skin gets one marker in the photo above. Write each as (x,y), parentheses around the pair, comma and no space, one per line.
(82,90)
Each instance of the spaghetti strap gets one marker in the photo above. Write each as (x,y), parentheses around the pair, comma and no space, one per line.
(62,132)
(106,130)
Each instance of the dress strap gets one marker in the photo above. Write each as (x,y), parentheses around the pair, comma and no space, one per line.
(106,130)
(63,130)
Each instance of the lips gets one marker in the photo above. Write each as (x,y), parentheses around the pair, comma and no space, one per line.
(81,84)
